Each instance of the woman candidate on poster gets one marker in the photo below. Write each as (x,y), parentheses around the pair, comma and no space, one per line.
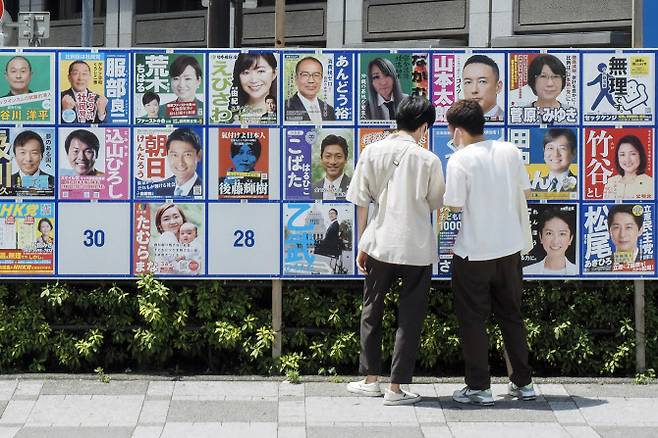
(186,75)
(632,182)
(556,231)
(254,76)
(384,90)
(547,77)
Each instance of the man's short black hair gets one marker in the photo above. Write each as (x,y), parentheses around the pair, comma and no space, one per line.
(334,139)
(308,58)
(78,62)
(567,133)
(624,208)
(484,59)
(186,135)
(466,114)
(26,136)
(149,96)
(334,210)
(413,111)
(87,137)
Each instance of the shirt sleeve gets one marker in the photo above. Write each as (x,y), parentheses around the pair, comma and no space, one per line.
(437,186)
(524,179)
(455,192)
(358,192)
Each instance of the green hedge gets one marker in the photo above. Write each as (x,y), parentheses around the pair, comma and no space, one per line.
(575,328)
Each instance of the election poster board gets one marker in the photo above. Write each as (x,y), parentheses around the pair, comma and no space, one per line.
(235,163)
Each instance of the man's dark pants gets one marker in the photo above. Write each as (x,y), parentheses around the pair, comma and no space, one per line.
(480,287)
(412,307)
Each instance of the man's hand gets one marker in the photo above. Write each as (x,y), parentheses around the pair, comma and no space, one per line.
(361,259)
(68,102)
(101,107)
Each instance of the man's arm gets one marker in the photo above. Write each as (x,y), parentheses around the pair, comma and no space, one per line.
(361,220)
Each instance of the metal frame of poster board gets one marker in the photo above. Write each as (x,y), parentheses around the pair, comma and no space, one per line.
(422,74)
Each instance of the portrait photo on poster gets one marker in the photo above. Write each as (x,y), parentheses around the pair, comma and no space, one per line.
(169,88)
(555,239)
(619,164)
(318,239)
(27,162)
(169,162)
(618,238)
(27,92)
(551,159)
(543,88)
(169,238)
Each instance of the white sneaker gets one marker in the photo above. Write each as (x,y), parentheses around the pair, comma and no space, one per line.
(523,392)
(480,397)
(400,398)
(362,388)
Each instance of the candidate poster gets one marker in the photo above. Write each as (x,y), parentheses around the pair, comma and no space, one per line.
(618,88)
(318,163)
(619,164)
(477,76)
(555,241)
(169,238)
(243,88)
(318,239)
(385,79)
(27,162)
(448,226)
(551,159)
(618,238)
(443,146)
(94,88)
(169,88)
(318,87)
(27,238)
(94,163)
(544,88)
(28,91)
(244,163)
(168,162)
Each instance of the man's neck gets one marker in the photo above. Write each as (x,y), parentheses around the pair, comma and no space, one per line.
(330,179)
(471,139)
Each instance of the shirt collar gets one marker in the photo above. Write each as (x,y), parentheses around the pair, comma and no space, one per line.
(381,101)
(336,183)
(187,187)
(308,103)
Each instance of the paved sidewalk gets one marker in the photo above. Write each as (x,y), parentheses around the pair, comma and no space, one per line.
(149,408)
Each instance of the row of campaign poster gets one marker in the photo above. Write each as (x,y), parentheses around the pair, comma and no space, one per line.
(291,239)
(323,87)
(193,163)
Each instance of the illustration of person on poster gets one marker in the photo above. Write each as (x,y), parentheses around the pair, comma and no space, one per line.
(169,238)
(618,88)
(555,241)
(543,88)
(476,76)
(177,80)
(619,238)
(385,79)
(319,163)
(318,239)
(27,238)
(169,163)
(243,163)
(27,162)
(619,163)
(28,89)
(318,87)
(93,163)
(551,156)
(95,87)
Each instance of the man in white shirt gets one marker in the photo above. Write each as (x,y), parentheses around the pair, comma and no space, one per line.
(406,183)
(484,180)
(333,156)
(305,104)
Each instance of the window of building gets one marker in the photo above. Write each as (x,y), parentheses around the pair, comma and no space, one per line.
(72,9)
(159,6)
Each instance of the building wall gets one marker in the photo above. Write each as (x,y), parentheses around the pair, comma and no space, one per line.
(369,23)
